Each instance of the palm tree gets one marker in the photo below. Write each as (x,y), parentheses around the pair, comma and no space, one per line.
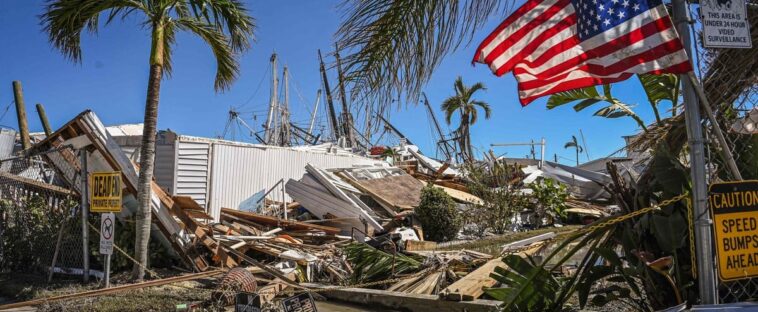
(223,24)
(575,144)
(463,103)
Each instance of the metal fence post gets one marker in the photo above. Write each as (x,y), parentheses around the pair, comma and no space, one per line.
(704,250)
(84,190)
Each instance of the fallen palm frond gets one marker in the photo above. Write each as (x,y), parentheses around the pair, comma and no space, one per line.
(370,264)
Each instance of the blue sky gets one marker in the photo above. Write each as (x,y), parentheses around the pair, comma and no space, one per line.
(112,81)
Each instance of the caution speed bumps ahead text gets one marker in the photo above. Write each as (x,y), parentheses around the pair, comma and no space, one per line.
(734,208)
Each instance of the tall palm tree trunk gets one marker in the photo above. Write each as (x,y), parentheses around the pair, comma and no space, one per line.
(147,155)
(577,155)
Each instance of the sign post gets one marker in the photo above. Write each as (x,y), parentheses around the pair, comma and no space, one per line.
(107,232)
(106,199)
(734,207)
(725,24)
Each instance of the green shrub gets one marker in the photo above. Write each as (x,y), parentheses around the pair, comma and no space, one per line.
(438,215)
(551,198)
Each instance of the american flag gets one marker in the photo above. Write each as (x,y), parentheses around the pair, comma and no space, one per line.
(558,45)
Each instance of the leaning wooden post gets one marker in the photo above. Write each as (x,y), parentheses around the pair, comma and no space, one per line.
(726,153)
(43,119)
(23,126)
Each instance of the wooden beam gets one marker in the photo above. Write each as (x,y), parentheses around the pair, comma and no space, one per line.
(112,290)
(273,221)
(403,301)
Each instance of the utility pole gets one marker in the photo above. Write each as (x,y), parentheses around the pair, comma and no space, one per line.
(329,102)
(446,148)
(43,119)
(23,126)
(315,110)
(704,241)
(347,117)
(272,103)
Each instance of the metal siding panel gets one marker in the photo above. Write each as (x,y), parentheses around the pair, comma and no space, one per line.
(164,166)
(241,171)
(192,170)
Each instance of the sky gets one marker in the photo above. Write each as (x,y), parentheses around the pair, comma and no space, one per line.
(112,80)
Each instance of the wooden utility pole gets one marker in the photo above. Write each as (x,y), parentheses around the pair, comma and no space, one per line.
(332,115)
(23,126)
(43,119)
(347,117)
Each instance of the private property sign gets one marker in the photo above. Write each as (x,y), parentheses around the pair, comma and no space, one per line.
(734,208)
(106,192)
(725,24)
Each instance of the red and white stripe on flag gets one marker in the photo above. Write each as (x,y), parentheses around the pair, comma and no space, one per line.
(558,45)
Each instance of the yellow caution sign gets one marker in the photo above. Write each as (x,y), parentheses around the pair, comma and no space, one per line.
(105,190)
(734,208)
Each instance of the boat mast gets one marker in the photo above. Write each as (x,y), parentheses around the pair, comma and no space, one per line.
(272,103)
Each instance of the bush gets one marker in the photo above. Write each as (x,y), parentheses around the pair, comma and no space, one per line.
(438,215)
(551,198)
(500,200)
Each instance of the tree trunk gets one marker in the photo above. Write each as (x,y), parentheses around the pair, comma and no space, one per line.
(577,155)
(147,155)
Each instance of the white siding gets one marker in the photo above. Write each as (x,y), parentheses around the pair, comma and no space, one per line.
(239,171)
(192,170)
(165,164)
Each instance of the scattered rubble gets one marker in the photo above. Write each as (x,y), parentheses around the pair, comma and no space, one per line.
(336,230)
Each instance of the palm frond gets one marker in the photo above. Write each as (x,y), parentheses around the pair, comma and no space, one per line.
(228,16)
(227,67)
(65,20)
(169,38)
(449,106)
(586,96)
(486,107)
(393,47)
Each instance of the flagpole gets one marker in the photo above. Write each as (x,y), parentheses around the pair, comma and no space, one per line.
(702,223)
(726,153)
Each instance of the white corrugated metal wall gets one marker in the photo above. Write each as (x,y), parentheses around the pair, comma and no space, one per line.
(239,171)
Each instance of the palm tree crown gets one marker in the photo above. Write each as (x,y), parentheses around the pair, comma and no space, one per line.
(468,108)
(223,24)
(575,144)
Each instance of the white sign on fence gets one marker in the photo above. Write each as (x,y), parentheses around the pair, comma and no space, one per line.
(725,24)
(107,231)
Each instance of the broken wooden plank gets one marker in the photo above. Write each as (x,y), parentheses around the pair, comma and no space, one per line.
(403,301)
(472,285)
(273,221)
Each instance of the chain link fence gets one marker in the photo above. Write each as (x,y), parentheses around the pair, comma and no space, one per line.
(730,80)
(40,217)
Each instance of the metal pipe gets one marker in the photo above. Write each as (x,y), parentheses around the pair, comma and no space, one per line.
(23,126)
(84,192)
(704,245)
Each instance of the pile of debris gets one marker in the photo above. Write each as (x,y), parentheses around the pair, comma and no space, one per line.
(343,226)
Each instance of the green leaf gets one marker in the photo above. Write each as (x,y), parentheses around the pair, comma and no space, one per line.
(561,98)
(659,87)
(670,231)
